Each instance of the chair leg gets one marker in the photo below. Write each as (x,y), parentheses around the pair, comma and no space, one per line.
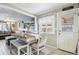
(30,50)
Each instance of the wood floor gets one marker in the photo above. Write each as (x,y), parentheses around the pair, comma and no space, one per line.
(4,50)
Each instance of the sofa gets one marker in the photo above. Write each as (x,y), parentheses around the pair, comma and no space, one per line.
(8,39)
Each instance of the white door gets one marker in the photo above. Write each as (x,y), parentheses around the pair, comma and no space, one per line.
(67,34)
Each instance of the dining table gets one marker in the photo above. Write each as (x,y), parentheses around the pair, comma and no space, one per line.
(29,38)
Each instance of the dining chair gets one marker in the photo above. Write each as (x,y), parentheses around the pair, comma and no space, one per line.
(39,45)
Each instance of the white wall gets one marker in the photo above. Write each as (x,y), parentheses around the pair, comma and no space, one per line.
(52,39)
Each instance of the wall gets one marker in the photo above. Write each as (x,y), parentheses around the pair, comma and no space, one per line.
(52,39)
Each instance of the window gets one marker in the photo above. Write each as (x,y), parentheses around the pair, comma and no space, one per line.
(3,26)
(47,24)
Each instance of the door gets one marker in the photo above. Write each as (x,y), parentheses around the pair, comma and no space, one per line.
(67,33)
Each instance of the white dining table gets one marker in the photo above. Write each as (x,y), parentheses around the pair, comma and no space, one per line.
(19,46)
(28,38)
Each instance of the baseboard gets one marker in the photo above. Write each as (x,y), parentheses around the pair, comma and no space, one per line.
(67,51)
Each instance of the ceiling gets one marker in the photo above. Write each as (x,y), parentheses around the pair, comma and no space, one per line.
(36,8)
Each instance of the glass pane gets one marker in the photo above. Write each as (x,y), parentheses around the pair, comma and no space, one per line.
(0,26)
(4,25)
(67,23)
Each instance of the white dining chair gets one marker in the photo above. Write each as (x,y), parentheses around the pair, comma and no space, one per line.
(40,45)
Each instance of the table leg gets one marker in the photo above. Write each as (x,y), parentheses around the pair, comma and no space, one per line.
(18,51)
(28,51)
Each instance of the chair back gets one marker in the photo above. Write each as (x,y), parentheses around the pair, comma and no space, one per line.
(43,38)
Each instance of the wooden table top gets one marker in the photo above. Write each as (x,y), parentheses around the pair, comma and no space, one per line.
(26,37)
